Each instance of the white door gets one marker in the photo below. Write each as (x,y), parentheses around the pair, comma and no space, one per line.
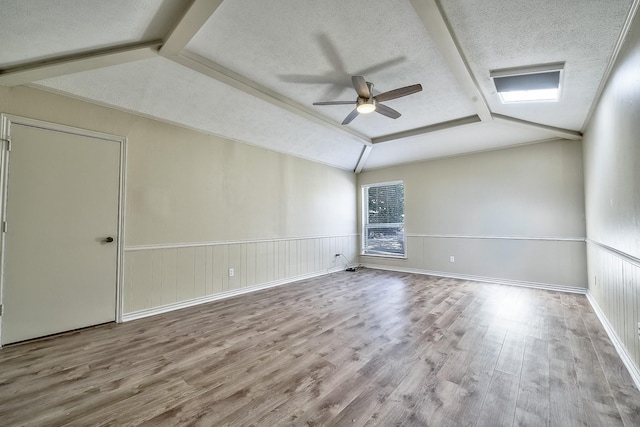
(62,205)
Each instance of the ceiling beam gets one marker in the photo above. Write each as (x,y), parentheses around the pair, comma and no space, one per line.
(199,12)
(76,63)
(235,80)
(553,131)
(427,129)
(366,150)
(437,26)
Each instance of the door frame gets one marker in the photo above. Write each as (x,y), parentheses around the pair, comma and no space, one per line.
(7,120)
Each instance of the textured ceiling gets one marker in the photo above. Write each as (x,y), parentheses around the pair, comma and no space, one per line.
(250,71)
(312,57)
(459,140)
(206,104)
(34,30)
(518,33)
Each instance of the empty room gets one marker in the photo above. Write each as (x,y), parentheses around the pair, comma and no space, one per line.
(329,213)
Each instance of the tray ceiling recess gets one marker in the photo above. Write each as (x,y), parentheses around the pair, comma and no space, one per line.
(251,72)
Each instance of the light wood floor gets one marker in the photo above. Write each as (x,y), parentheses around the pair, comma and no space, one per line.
(363,348)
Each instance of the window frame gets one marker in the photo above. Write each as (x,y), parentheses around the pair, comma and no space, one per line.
(364,198)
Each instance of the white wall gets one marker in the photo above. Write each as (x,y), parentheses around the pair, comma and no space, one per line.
(197,205)
(513,215)
(612,188)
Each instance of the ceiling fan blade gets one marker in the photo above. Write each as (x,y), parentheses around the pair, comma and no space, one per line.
(387,111)
(360,85)
(334,103)
(352,115)
(397,93)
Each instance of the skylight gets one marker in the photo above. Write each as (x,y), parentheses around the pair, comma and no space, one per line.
(539,95)
(539,83)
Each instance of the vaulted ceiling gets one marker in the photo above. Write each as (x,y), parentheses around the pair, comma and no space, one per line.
(250,71)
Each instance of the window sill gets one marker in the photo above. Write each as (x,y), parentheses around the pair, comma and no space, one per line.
(384,256)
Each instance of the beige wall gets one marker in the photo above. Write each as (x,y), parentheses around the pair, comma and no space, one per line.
(185,186)
(197,205)
(515,214)
(612,187)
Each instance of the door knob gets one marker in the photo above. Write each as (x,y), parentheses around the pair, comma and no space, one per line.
(108,240)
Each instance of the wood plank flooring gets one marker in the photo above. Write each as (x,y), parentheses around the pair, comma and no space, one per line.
(367,348)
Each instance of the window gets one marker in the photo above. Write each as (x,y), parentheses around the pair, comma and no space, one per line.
(383,219)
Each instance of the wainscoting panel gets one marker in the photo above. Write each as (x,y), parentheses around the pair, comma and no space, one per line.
(544,261)
(614,290)
(166,275)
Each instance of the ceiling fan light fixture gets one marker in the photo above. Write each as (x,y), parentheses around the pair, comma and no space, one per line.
(366,106)
(537,83)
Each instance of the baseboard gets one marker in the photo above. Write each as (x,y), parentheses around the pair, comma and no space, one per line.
(524,284)
(126,317)
(224,295)
(617,343)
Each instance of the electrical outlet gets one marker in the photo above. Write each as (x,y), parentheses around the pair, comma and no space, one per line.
(452,259)
(232,272)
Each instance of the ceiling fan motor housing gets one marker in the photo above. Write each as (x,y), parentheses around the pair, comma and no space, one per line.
(366,105)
